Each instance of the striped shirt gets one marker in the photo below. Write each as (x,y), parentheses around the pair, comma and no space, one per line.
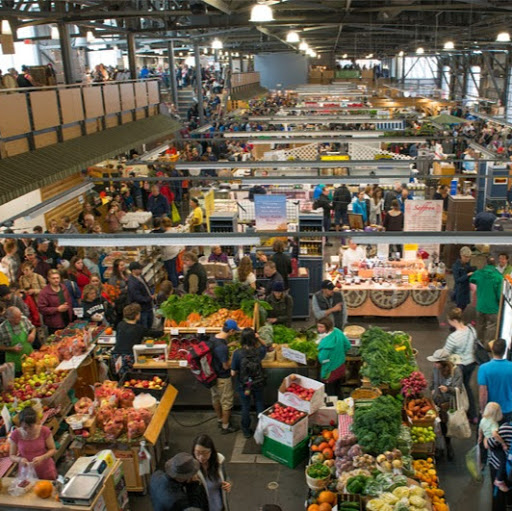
(505,432)
(462,343)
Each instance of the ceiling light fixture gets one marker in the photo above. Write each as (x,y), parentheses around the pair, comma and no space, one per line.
(261,13)
(401,54)
(303,46)
(449,45)
(369,56)
(503,37)
(344,56)
(420,51)
(90,37)
(6,28)
(292,37)
(217,44)
(54,33)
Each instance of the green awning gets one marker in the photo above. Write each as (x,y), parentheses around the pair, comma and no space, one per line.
(26,172)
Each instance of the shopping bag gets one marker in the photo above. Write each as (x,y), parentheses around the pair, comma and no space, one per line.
(458,424)
(474,464)
(7,371)
(175,215)
(24,480)
(464,399)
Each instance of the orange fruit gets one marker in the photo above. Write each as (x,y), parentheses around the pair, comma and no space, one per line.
(326,497)
(328,454)
(323,445)
(332,442)
(313,507)
(335,434)
(325,506)
(327,434)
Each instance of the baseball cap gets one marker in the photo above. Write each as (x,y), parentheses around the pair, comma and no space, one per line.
(327,284)
(231,324)
(40,241)
(135,265)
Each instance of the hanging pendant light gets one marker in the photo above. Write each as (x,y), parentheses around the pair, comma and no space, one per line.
(344,56)
(401,53)
(217,44)
(292,37)
(503,37)
(261,13)
(303,46)
(90,37)
(420,51)
(449,45)
(54,33)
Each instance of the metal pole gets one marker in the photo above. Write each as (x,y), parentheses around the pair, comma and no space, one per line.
(131,55)
(172,74)
(65,51)
(199,84)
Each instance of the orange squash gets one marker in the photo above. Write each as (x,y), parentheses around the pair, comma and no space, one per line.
(43,489)
(327,496)
(325,506)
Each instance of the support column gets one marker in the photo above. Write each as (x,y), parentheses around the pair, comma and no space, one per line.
(172,73)
(65,51)
(199,84)
(130,41)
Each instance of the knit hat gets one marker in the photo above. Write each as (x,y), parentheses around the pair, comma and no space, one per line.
(278,286)
(4,290)
(135,265)
(182,467)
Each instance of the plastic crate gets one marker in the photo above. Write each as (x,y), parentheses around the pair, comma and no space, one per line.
(350,497)
(146,375)
(288,456)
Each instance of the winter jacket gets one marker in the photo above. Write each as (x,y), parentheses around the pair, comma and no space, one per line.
(283,266)
(324,203)
(167,494)
(48,301)
(461,292)
(198,272)
(158,205)
(139,293)
(281,309)
(488,282)
(320,304)
(361,208)
(332,352)
(342,198)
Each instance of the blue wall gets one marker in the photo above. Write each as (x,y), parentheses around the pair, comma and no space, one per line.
(287,69)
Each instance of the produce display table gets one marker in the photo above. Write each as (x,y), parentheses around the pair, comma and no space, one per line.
(156,438)
(394,301)
(106,496)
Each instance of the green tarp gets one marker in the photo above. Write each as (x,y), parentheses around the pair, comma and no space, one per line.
(26,172)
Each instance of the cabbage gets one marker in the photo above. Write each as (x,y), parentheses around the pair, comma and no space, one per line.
(389,498)
(375,505)
(402,505)
(418,501)
(417,490)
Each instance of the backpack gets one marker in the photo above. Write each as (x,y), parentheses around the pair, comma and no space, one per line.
(481,354)
(251,373)
(200,361)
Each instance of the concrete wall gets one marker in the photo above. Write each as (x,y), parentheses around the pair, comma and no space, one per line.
(287,69)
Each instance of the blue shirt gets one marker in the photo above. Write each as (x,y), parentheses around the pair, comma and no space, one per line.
(497,376)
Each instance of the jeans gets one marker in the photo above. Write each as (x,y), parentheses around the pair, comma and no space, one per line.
(246,407)
(467,371)
(500,501)
(340,217)
(486,325)
(327,221)
(146,318)
(170,268)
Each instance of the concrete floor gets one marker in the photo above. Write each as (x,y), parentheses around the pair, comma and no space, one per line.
(252,475)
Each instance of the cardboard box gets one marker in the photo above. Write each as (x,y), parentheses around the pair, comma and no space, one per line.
(290,399)
(288,456)
(286,434)
(325,414)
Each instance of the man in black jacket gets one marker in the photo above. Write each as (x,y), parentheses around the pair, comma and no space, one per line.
(324,203)
(341,199)
(178,488)
(140,292)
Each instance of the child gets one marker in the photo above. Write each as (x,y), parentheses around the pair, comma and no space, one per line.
(489,428)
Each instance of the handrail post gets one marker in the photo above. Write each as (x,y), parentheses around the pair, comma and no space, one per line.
(130,41)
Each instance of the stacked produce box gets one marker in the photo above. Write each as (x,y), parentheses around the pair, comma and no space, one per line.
(383,453)
(285,424)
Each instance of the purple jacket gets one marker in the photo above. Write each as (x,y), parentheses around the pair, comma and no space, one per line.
(48,301)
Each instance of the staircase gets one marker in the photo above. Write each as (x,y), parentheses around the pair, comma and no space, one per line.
(185,101)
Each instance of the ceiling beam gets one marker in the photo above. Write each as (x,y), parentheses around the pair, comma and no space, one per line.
(220,5)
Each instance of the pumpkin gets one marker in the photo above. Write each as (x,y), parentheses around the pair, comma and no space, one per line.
(327,496)
(325,506)
(313,507)
(43,489)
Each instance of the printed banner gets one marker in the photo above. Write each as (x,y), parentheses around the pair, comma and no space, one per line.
(270,212)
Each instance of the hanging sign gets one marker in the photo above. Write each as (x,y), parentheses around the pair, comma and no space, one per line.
(270,212)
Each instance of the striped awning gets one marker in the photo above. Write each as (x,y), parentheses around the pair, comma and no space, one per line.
(29,171)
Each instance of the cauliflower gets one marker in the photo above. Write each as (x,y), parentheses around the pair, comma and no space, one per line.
(401,492)
(418,502)
(402,505)
(389,498)
(375,505)
(417,490)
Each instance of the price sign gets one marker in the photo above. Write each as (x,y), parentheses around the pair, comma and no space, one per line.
(183,363)
(294,355)
(201,330)
(175,331)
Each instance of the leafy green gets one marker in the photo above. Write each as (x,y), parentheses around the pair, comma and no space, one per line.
(309,348)
(382,363)
(231,296)
(377,426)
(179,307)
(283,334)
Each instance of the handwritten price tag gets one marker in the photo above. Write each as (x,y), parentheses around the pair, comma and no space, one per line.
(201,330)
(183,363)
(175,331)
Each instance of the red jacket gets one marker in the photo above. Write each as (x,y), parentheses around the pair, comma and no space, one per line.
(34,315)
(166,192)
(82,278)
(48,301)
